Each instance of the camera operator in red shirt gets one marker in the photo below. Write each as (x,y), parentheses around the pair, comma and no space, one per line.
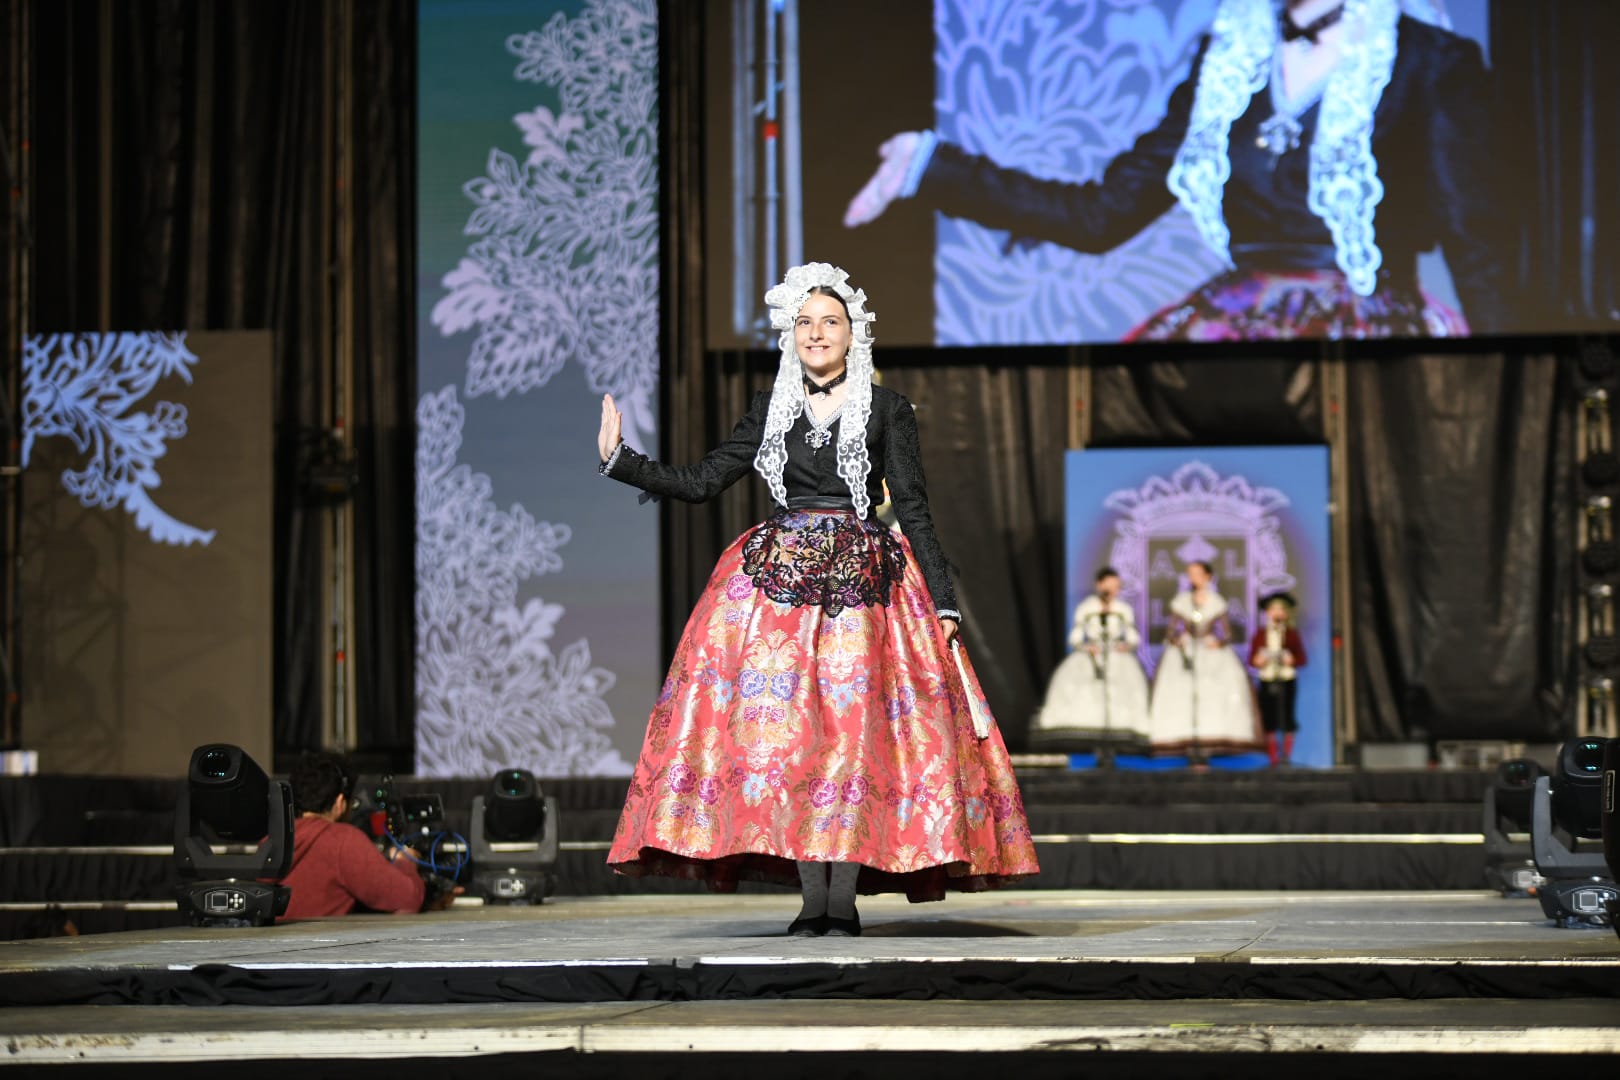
(335,867)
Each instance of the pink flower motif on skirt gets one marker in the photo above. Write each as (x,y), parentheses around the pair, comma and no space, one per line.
(1002,806)
(709,790)
(739,587)
(917,605)
(855,789)
(682,779)
(823,792)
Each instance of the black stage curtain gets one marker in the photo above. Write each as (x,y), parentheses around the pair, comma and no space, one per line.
(1204,402)
(1461,539)
(213,149)
(992,439)
(1554,65)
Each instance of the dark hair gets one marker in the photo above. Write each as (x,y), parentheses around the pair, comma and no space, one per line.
(1208,569)
(317,780)
(828,290)
(1106,571)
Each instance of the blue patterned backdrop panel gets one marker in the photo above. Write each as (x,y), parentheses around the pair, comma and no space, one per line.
(537,580)
(1058,88)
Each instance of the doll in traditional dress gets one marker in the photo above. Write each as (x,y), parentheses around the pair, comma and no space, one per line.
(1277,653)
(1098,696)
(1202,704)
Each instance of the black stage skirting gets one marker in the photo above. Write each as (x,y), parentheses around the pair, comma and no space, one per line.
(967,980)
(71,810)
(1084,824)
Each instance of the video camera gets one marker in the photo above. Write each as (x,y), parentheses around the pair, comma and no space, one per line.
(417,824)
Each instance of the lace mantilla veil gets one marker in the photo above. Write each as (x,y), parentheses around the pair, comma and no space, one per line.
(1345,188)
(787,395)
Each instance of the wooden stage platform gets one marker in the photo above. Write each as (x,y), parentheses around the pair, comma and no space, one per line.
(1350,980)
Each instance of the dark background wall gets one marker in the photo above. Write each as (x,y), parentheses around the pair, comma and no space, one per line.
(135,651)
(237,165)
(248,166)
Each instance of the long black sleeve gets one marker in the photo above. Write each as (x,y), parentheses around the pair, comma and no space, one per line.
(1093,217)
(719,469)
(909,492)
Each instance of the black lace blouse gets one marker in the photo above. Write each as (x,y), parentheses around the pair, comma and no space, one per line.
(891,444)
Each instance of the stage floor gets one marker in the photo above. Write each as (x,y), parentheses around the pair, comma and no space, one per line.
(1031,926)
(1400,973)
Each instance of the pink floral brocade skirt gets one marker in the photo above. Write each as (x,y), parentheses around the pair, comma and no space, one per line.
(814,712)
(1285,305)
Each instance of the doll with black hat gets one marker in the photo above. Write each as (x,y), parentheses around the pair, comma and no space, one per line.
(1277,652)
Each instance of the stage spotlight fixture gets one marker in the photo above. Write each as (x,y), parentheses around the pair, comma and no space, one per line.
(1611,823)
(1578,890)
(1600,556)
(1599,465)
(1600,608)
(513,840)
(1509,866)
(229,801)
(1599,700)
(1597,359)
(1577,797)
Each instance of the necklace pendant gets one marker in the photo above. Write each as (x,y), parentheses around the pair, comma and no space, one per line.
(1279,134)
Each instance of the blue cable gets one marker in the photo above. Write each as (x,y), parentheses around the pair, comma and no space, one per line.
(432,862)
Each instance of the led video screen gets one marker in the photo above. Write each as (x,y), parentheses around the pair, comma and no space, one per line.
(1036,172)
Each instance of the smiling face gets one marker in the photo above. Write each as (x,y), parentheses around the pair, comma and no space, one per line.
(821,335)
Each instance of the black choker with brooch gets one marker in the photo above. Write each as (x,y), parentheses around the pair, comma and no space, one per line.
(813,387)
(1282,132)
(820,433)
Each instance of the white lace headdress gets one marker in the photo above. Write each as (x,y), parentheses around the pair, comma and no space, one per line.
(787,396)
(1345,188)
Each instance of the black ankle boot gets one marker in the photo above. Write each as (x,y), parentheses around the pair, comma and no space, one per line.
(808,926)
(850,927)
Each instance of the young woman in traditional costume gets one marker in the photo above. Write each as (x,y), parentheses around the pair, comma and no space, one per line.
(820,724)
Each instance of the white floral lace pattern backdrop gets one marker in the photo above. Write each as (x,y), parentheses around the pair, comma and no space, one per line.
(90,389)
(536,639)
(1058,88)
